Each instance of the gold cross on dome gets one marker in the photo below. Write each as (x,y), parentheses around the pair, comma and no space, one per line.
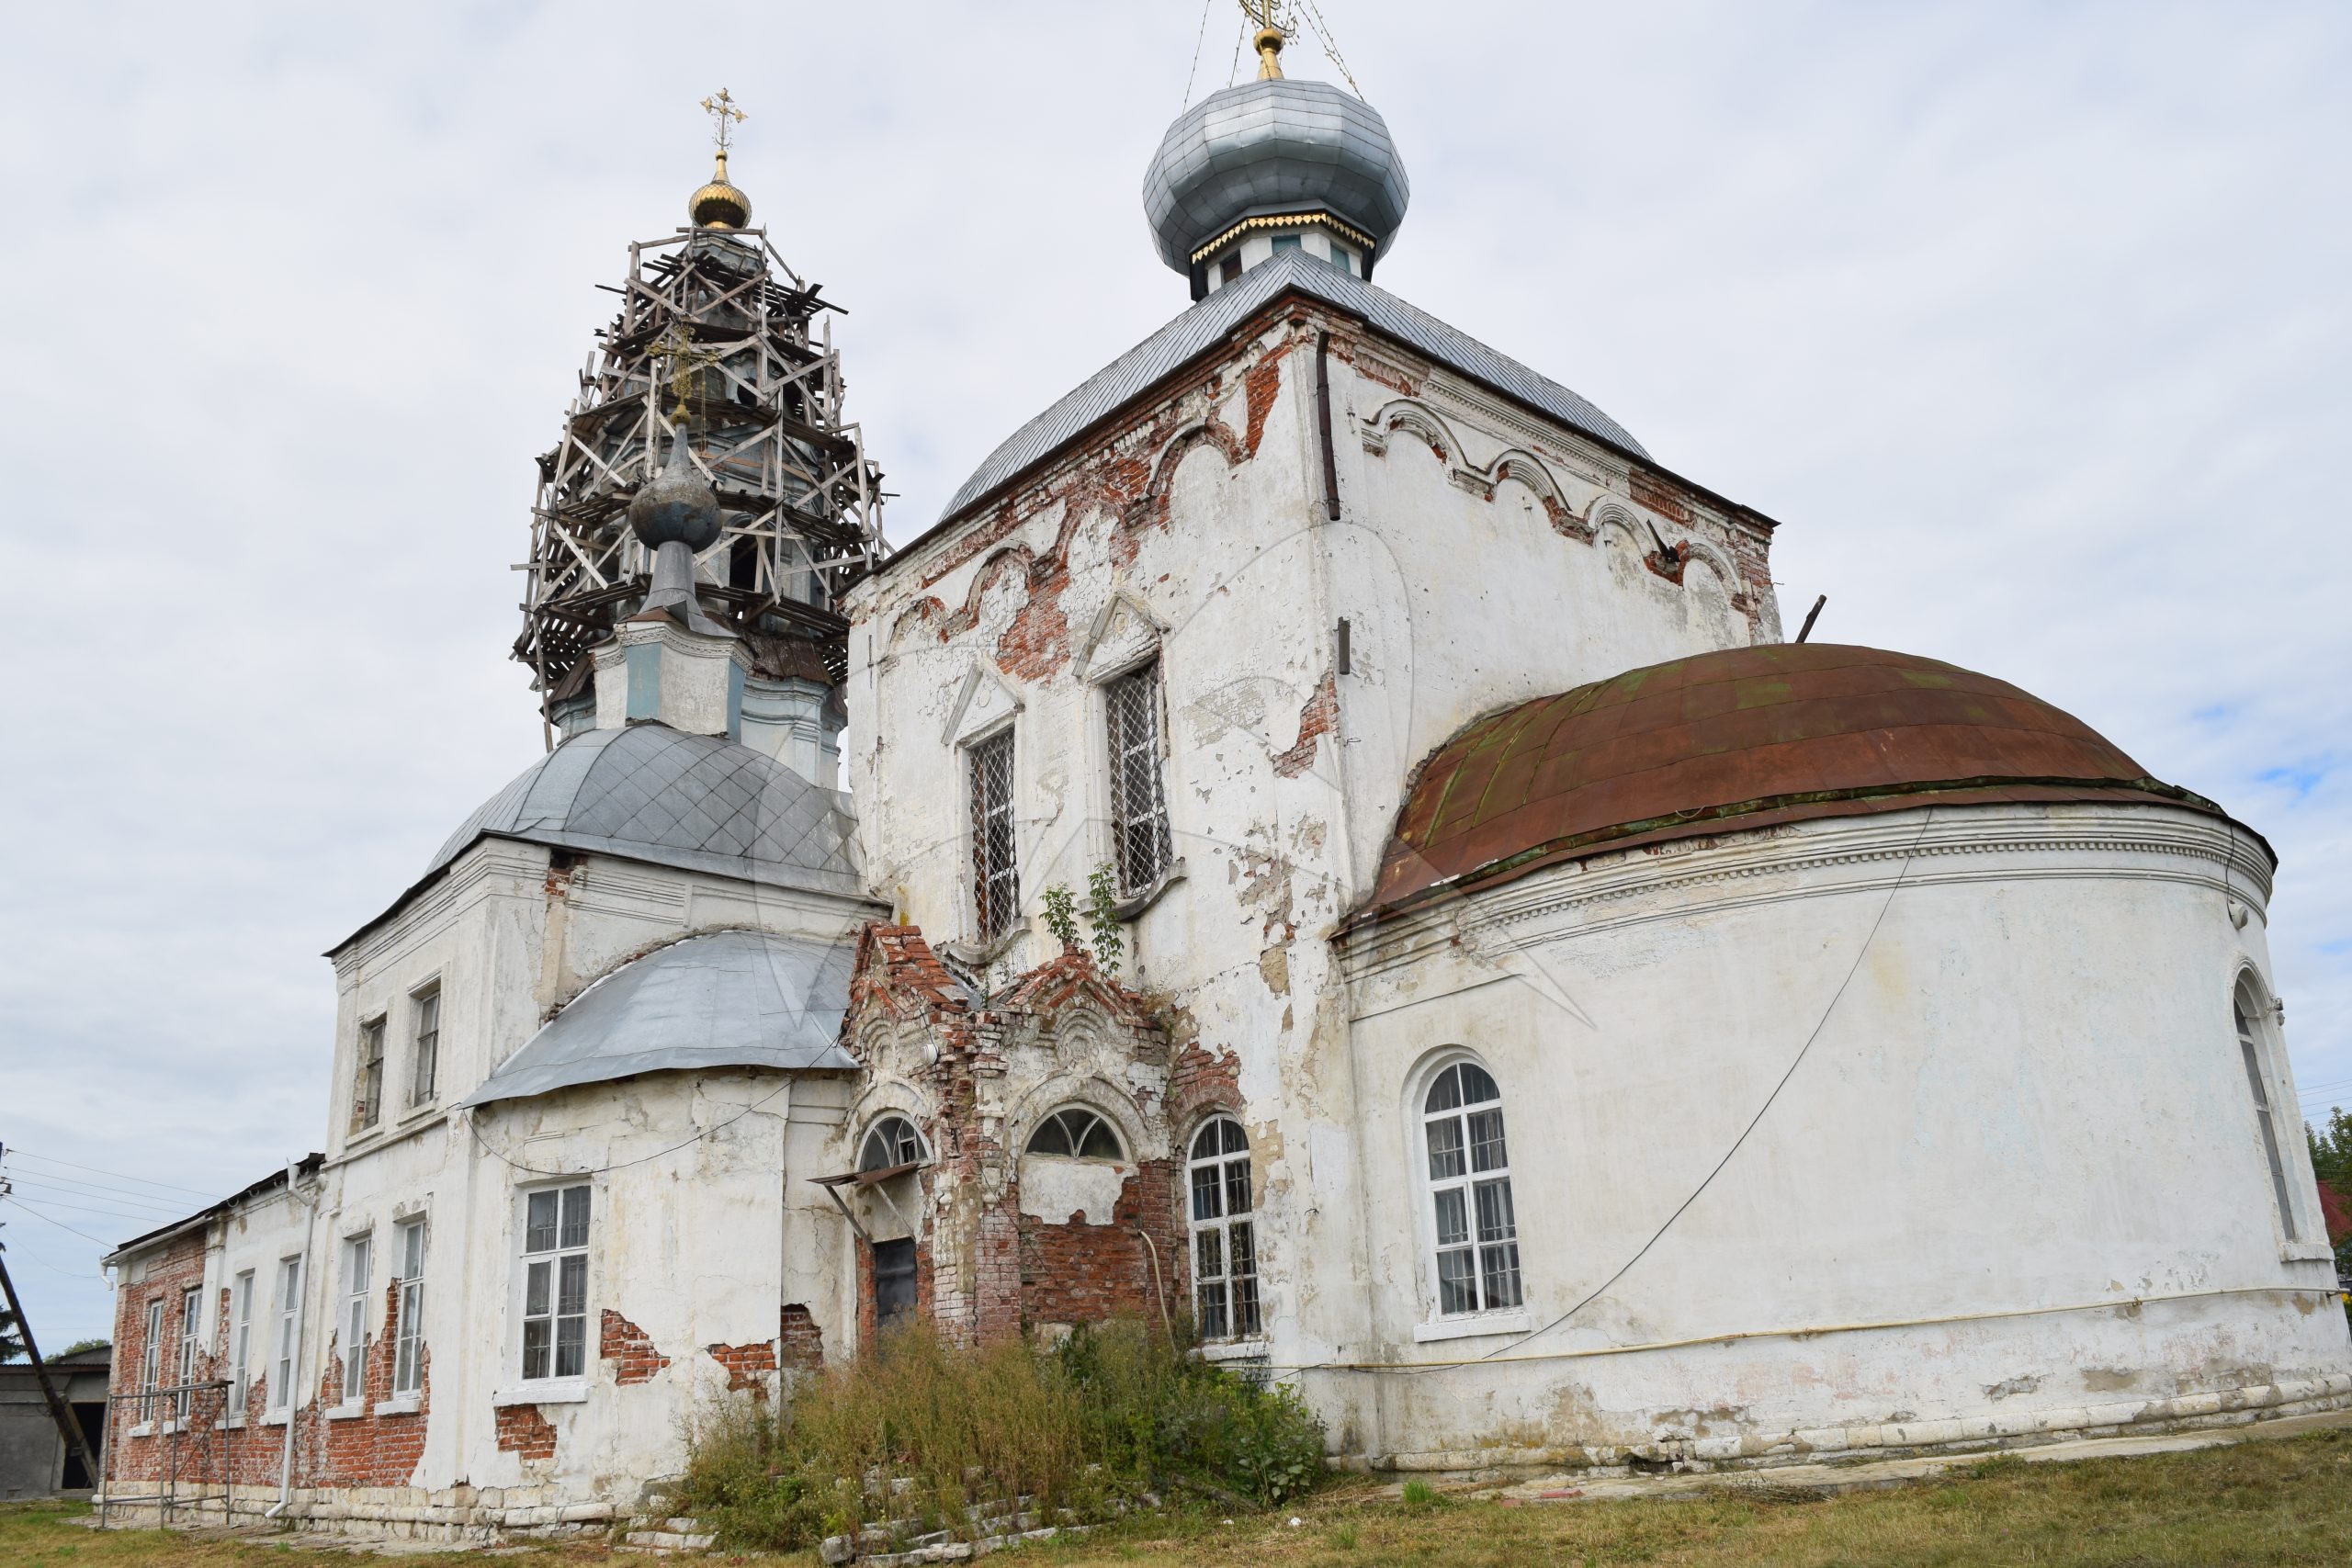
(724,116)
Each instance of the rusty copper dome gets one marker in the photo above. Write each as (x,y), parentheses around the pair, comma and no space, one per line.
(1742,737)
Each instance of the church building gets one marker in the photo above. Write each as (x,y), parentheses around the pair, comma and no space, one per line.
(1519,997)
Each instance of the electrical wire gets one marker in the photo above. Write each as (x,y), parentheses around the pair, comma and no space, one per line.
(14,1153)
(61,1225)
(1798,1060)
(20,1179)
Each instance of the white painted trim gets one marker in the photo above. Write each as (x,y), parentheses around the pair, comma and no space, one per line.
(1471,1325)
(407,1405)
(346,1412)
(549,1391)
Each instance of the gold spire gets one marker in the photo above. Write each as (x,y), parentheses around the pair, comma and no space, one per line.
(719,205)
(1270,48)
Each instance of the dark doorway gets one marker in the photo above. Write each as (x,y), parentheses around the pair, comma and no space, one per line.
(894,1280)
(93,1417)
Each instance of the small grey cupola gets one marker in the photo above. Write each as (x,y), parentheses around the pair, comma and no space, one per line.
(672,662)
(1270,166)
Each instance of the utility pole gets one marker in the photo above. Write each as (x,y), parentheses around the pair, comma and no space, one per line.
(69,1426)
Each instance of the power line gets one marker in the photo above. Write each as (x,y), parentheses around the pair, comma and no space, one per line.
(61,1225)
(96,1188)
(78,1192)
(118,1175)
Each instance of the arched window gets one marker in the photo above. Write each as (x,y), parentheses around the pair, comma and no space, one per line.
(1476,1235)
(2253,1046)
(1076,1134)
(1225,1242)
(894,1142)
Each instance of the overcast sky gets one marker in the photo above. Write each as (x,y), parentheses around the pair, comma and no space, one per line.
(2028,323)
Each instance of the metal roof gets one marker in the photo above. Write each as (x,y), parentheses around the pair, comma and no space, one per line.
(1206,325)
(697,802)
(1734,739)
(1280,146)
(734,998)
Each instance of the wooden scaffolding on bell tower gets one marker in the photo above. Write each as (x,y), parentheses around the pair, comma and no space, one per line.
(717,338)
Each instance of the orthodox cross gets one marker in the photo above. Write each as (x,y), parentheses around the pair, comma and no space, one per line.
(725,117)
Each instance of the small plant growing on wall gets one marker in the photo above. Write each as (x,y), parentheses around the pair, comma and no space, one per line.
(1061,915)
(1103,916)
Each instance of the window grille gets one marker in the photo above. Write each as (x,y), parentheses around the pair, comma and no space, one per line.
(1476,1235)
(1225,1244)
(356,1263)
(368,1081)
(996,876)
(2250,1047)
(1138,798)
(408,1344)
(1076,1134)
(555,1283)
(428,1047)
(893,1143)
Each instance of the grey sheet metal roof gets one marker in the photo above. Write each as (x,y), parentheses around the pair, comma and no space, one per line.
(696,801)
(1205,325)
(734,998)
(1286,145)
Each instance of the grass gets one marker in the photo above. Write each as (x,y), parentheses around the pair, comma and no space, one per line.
(2266,1502)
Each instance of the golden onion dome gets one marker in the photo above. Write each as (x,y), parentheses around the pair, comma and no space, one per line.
(720,204)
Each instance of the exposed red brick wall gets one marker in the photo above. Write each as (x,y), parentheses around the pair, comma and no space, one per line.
(521,1429)
(1319,716)
(620,1341)
(802,1341)
(1077,1272)
(748,1366)
(372,1449)
(1259,386)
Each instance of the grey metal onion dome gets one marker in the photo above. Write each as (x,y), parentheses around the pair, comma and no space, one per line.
(1270,148)
(676,503)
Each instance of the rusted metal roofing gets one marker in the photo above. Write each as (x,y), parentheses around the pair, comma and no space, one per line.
(1742,737)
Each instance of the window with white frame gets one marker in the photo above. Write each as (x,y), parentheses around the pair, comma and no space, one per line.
(351,1322)
(368,1076)
(408,1341)
(289,1308)
(191,1320)
(1138,798)
(996,871)
(1225,1243)
(1476,1231)
(241,1342)
(893,1143)
(2254,1048)
(151,1359)
(1077,1133)
(426,1047)
(555,1283)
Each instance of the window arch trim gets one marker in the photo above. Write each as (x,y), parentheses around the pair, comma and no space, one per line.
(2254,1019)
(896,1131)
(1075,1130)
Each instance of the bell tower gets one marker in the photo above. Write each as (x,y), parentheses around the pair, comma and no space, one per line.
(719,348)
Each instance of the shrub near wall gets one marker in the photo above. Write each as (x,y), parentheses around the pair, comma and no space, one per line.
(925,1436)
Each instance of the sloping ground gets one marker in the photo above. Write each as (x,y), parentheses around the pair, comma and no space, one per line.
(2283,1499)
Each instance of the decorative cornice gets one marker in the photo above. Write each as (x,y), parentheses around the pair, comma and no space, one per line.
(1744,869)
(1284,220)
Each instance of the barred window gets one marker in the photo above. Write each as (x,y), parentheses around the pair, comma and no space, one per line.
(1475,1239)
(996,874)
(1225,1243)
(1139,801)
(368,1079)
(2251,1046)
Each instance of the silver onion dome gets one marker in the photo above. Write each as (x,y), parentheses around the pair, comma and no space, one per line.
(1272,148)
(676,503)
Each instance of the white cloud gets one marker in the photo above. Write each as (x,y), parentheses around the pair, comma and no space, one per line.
(2027,321)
